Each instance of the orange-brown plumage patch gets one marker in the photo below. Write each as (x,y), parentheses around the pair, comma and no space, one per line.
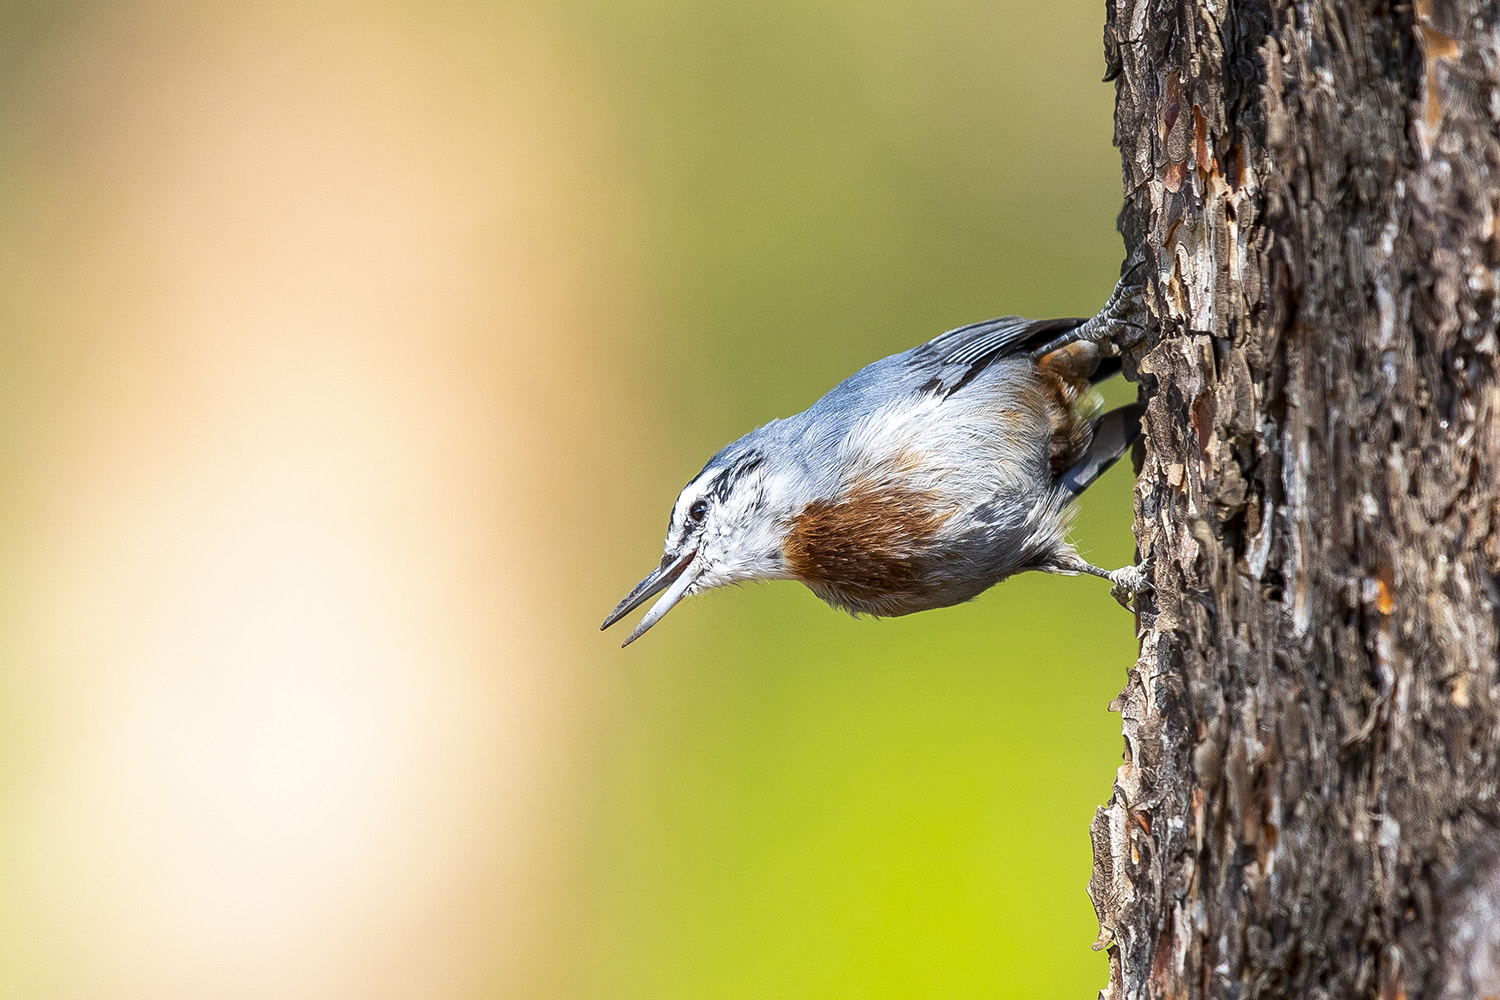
(1064,378)
(870,549)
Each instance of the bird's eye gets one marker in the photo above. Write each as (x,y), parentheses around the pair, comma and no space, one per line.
(697,511)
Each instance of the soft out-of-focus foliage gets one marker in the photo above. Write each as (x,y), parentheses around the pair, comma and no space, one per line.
(353,355)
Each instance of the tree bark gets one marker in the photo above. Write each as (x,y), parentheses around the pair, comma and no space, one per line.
(1309,803)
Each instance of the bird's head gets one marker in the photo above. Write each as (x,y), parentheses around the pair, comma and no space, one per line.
(727,526)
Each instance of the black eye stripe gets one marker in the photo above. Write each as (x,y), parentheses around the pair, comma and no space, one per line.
(721,485)
(724,482)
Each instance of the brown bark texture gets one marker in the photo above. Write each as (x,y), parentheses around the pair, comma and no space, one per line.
(1309,803)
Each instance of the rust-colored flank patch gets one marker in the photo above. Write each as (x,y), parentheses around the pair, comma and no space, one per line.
(871,549)
(1064,378)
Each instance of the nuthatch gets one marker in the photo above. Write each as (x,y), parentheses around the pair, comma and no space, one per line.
(919,482)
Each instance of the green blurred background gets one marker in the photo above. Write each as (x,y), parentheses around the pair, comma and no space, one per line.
(353,356)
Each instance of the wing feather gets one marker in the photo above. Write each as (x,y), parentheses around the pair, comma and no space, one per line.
(968,344)
(956,357)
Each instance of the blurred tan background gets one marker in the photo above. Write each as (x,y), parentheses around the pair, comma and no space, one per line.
(353,355)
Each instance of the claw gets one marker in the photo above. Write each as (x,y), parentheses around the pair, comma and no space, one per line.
(1128,581)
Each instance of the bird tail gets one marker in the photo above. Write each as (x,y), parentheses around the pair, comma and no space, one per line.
(1113,435)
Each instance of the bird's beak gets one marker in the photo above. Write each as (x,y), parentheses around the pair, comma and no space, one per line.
(669,576)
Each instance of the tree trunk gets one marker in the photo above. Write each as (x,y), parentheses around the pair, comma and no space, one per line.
(1309,804)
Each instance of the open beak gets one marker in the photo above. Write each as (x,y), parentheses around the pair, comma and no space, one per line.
(669,576)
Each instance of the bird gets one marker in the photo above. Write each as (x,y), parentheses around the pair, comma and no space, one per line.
(918,482)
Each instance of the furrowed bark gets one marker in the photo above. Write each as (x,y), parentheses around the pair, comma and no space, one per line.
(1309,803)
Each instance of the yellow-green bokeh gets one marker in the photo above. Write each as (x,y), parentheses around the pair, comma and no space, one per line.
(488,283)
(797,804)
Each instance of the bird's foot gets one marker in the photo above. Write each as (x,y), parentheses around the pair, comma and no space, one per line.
(1128,581)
